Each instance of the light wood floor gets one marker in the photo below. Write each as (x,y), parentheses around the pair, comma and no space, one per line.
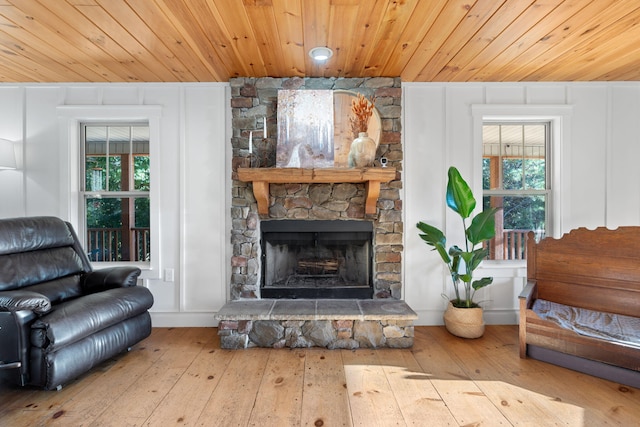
(180,376)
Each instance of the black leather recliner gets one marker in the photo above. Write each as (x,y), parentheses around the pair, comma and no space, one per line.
(58,316)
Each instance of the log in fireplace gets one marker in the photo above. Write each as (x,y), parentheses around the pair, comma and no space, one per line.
(316,259)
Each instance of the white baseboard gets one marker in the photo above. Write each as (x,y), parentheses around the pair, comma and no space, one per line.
(183,320)
(491,317)
(501,317)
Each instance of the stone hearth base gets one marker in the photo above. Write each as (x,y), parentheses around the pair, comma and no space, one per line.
(334,324)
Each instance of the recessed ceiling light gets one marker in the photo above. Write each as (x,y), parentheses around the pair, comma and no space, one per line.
(320,53)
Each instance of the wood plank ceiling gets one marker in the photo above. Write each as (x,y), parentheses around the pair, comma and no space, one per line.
(418,40)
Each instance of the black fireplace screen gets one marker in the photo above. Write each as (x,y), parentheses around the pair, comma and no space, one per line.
(316,259)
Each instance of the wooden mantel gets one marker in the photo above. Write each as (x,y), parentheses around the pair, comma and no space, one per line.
(262,177)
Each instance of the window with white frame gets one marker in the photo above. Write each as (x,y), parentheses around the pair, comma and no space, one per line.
(516,178)
(115,188)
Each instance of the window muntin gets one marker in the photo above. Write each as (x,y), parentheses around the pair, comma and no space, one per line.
(515,177)
(116,189)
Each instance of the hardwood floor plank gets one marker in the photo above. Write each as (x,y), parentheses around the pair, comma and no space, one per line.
(186,400)
(615,402)
(414,392)
(279,398)
(499,380)
(136,404)
(525,389)
(371,398)
(86,395)
(466,401)
(181,376)
(325,400)
(234,396)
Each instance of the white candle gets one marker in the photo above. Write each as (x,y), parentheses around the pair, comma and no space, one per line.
(264,125)
(250,142)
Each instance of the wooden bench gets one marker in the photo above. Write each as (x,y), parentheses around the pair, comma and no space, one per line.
(590,269)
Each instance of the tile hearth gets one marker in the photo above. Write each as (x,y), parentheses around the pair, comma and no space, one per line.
(329,323)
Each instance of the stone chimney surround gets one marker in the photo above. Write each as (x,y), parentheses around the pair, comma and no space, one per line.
(252,99)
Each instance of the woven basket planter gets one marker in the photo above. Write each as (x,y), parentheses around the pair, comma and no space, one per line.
(464,322)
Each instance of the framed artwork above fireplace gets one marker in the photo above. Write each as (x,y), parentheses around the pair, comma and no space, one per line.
(314,129)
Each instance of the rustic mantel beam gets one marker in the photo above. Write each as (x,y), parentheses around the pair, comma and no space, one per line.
(261,178)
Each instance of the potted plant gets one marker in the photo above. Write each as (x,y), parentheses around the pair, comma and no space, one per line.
(463,316)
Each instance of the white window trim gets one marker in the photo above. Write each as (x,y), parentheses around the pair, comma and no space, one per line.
(559,116)
(70,118)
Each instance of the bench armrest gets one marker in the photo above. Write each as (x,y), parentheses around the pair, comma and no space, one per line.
(109,278)
(528,294)
(529,291)
(17,300)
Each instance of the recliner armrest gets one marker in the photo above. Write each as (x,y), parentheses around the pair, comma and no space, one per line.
(109,278)
(17,300)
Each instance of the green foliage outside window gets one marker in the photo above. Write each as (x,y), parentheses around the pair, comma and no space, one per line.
(520,212)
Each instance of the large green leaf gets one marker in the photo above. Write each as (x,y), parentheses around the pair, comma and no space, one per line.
(479,284)
(483,226)
(459,195)
(477,256)
(434,237)
(455,252)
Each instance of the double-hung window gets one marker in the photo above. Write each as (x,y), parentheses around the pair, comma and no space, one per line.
(516,178)
(115,189)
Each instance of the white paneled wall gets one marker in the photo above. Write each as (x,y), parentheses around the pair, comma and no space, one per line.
(12,194)
(190,166)
(598,163)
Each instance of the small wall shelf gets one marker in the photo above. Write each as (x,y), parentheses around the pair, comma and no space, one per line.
(262,177)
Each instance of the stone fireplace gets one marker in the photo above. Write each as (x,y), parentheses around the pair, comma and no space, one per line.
(252,99)
(317,253)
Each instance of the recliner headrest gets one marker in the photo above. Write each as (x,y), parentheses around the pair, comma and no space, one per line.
(33,233)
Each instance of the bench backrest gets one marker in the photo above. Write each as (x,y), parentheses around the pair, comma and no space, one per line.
(595,269)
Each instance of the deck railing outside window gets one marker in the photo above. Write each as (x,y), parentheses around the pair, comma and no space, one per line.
(510,245)
(109,244)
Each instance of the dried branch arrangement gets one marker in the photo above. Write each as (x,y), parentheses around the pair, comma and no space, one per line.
(361,109)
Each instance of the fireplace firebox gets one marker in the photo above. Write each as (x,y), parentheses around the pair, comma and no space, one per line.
(316,259)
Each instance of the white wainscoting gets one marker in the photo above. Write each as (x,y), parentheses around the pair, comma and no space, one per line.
(601,183)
